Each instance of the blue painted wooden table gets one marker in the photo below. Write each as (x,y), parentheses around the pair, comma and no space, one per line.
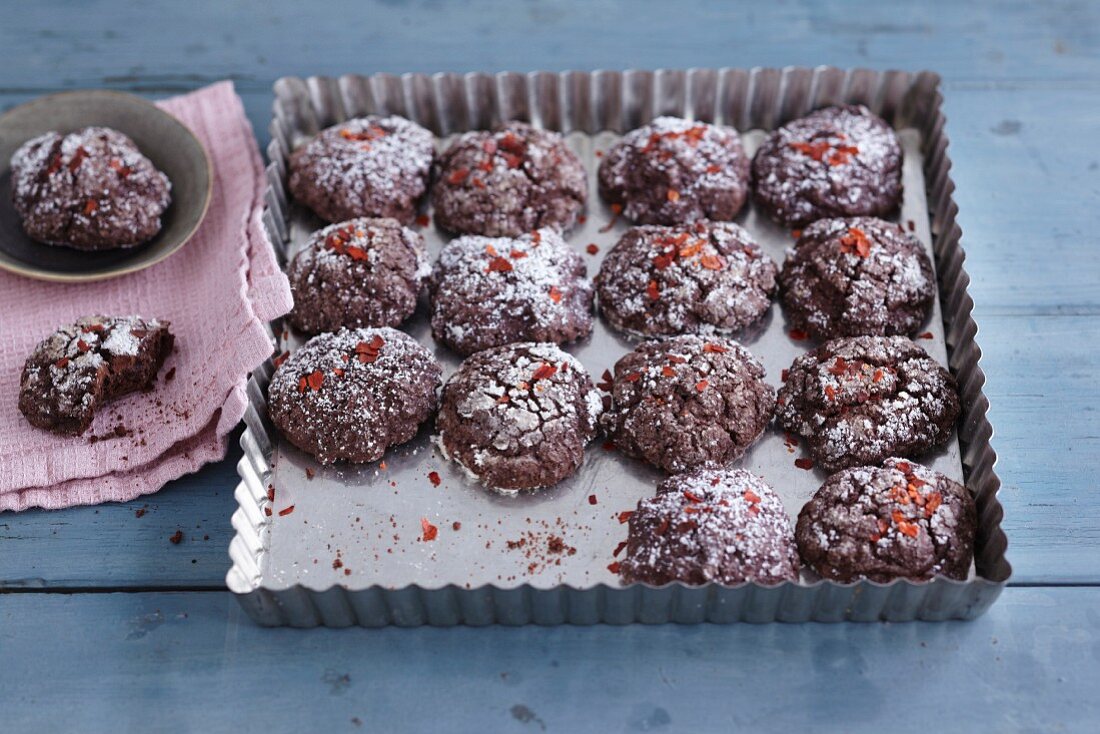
(106,626)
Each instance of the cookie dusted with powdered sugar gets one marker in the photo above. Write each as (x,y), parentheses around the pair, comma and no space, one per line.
(364,167)
(490,291)
(688,402)
(363,272)
(723,526)
(90,190)
(902,520)
(856,277)
(835,162)
(862,399)
(701,278)
(82,366)
(351,395)
(673,171)
(519,416)
(508,181)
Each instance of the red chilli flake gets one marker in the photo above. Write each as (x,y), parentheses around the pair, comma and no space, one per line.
(423,220)
(668,371)
(701,385)
(592,248)
(429,531)
(90,206)
(82,345)
(855,242)
(839,367)
(78,158)
(691,496)
(434,478)
(751,496)
(555,294)
(830,392)
(517,254)
(673,195)
(458,175)
(592,499)
(620,548)
(806,464)
(796,233)
(926,335)
(714,348)
(278,361)
(711,262)
(498,265)
(653,291)
(177,537)
(286,510)
(613,567)
(55,164)
(315,379)
(544,372)
(478,183)
(878,375)
(799,335)
(62,363)
(624,516)
(712,168)
(632,377)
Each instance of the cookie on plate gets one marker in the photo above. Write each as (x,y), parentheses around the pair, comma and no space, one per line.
(90,190)
(723,526)
(519,416)
(856,277)
(363,272)
(673,171)
(508,181)
(902,520)
(364,167)
(700,278)
(836,162)
(688,402)
(82,366)
(350,395)
(859,400)
(490,291)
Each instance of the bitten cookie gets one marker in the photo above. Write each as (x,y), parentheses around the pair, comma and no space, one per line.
(723,526)
(90,190)
(364,272)
(688,402)
(673,171)
(490,291)
(508,181)
(862,399)
(364,167)
(351,395)
(701,278)
(835,162)
(81,366)
(518,416)
(899,521)
(854,277)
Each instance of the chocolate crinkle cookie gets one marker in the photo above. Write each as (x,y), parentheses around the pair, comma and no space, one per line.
(90,190)
(902,520)
(723,526)
(835,162)
(518,416)
(364,167)
(688,402)
(673,171)
(82,366)
(350,395)
(490,291)
(363,272)
(508,181)
(860,400)
(855,277)
(701,278)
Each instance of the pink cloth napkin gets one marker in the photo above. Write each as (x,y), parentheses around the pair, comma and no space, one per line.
(218,292)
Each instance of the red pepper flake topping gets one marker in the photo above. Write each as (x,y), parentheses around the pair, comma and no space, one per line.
(624,516)
(806,464)
(536,237)
(799,335)
(555,294)
(278,361)
(652,290)
(314,380)
(613,567)
(498,265)
(713,168)
(855,242)
(932,502)
(616,210)
(711,262)
(632,377)
(177,537)
(62,363)
(90,206)
(116,165)
(906,527)
(796,233)
(830,392)
(842,154)
(816,150)
(877,376)
(783,374)
(423,220)
(478,183)
(701,385)
(267,511)
(512,160)
(691,496)
(382,465)
(673,195)
(55,164)
(714,348)
(429,531)
(82,345)
(592,248)
(903,467)
(286,510)
(592,499)
(621,547)
(434,478)
(517,254)
(458,175)
(883,527)
(544,372)
(912,225)
(486,165)
(926,335)
(368,352)
(371,133)
(489,146)
(751,496)
(668,371)
(839,367)
(78,158)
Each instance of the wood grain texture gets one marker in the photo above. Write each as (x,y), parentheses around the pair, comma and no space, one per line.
(177,662)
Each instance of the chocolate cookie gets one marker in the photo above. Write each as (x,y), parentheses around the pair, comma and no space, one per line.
(854,277)
(835,162)
(688,402)
(81,366)
(899,521)
(351,395)
(508,181)
(90,190)
(723,526)
(674,171)
(859,400)
(364,272)
(365,167)
(518,416)
(486,292)
(701,278)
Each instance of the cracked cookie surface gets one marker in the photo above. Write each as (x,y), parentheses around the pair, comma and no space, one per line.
(688,402)
(902,520)
(507,181)
(519,416)
(860,400)
(83,365)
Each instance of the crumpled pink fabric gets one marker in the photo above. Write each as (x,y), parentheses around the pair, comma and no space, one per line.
(219,291)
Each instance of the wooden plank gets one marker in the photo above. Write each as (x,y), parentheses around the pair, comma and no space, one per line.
(193,662)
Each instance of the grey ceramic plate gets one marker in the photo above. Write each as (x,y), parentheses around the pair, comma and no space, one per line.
(162,138)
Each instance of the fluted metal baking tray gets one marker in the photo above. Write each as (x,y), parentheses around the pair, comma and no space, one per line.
(350,549)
